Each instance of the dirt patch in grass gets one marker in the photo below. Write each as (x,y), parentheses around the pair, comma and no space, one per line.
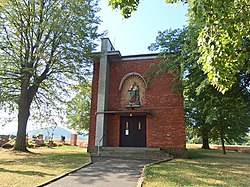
(30,169)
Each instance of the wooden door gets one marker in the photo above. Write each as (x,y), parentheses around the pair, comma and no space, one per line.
(133,131)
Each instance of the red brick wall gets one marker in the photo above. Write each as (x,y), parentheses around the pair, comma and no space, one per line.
(164,128)
(113,130)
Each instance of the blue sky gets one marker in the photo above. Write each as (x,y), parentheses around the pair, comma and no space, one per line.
(134,35)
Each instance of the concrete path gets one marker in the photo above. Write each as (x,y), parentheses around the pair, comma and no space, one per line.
(105,172)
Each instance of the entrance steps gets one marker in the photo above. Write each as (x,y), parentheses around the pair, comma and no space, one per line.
(133,152)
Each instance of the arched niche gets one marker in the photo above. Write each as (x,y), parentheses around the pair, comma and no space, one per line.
(132,74)
(127,83)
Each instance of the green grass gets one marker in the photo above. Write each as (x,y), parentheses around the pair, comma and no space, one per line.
(26,169)
(203,168)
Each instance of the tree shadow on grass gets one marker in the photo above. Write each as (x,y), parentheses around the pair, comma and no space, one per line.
(205,168)
(197,173)
(217,154)
(42,174)
(51,161)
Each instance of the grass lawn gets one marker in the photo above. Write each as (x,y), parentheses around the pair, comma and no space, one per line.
(203,168)
(25,169)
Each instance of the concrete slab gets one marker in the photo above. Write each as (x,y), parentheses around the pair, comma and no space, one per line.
(105,172)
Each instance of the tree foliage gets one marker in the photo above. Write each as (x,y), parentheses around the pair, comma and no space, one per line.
(223,40)
(126,7)
(44,46)
(209,113)
(78,108)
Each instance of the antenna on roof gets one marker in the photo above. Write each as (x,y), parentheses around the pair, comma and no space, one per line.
(114,42)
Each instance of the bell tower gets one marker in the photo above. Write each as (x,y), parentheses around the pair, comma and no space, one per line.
(102,96)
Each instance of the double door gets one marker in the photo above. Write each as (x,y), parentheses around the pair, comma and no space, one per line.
(133,131)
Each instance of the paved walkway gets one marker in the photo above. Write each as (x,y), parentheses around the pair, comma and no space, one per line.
(105,172)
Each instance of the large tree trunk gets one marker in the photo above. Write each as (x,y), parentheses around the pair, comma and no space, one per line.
(26,97)
(205,142)
(23,115)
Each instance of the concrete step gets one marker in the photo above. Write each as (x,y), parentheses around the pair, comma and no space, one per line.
(138,149)
(134,152)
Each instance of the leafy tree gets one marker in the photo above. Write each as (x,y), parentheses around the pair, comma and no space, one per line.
(216,116)
(208,112)
(195,117)
(223,36)
(78,108)
(44,46)
(180,52)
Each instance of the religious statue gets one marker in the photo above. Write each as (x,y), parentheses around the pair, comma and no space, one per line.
(134,94)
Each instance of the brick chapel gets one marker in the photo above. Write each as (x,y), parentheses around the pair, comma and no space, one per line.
(127,111)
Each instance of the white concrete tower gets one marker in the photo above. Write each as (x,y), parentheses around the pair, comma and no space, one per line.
(103,89)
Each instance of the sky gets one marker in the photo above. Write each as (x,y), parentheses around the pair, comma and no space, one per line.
(132,36)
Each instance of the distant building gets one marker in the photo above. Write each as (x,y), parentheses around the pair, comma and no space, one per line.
(126,111)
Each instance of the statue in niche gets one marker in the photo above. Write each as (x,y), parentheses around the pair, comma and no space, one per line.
(134,95)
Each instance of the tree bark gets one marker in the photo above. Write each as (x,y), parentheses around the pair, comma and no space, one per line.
(26,97)
(222,140)
(23,115)
(223,146)
(205,142)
